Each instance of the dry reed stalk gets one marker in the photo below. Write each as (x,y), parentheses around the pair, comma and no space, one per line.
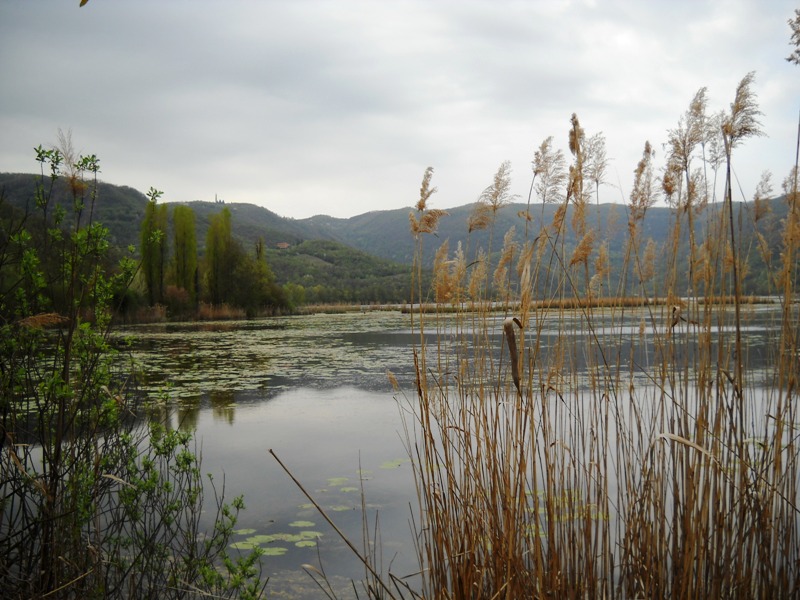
(615,451)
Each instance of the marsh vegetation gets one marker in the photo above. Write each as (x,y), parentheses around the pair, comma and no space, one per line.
(575,460)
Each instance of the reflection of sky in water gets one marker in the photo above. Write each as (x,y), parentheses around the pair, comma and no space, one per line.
(314,389)
(330,439)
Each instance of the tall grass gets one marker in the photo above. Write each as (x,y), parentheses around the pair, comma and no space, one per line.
(593,442)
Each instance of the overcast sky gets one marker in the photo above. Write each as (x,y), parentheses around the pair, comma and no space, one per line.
(311,107)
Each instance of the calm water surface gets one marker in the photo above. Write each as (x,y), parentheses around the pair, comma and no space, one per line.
(314,389)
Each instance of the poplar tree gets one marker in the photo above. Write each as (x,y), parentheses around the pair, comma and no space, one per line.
(185,249)
(154,246)
(220,256)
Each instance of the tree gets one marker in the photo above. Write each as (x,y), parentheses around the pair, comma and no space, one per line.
(154,246)
(94,505)
(794,57)
(185,249)
(220,256)
(253,283)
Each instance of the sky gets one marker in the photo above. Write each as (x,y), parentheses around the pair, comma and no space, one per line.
(337,107)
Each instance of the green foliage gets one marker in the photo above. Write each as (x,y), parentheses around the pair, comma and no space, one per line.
(92,503)
(183,223)
(235,277)
(383,234)
(154,247)
(325,271)
(254,286)
(221,256)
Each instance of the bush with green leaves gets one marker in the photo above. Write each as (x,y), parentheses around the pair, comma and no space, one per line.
(94,501)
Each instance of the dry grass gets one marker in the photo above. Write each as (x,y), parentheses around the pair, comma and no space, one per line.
(612,446)
(218,312)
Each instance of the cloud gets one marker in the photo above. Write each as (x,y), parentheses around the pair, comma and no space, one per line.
(337,107)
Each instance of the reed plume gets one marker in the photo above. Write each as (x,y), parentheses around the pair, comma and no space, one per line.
(616,445)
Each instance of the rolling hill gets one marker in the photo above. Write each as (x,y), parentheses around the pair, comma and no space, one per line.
(379,242)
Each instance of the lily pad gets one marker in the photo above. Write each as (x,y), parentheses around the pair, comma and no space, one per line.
(301,524)
(348,490)
(394,464)
(305,544)
(340,508)
(337,481)
(243,545)
(310,535)
(275,551)
(263,539)
(243,531)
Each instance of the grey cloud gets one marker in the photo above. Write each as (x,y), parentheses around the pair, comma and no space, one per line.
(313,106)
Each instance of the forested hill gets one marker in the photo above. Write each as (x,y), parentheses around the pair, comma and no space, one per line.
(120,208)
(385,234)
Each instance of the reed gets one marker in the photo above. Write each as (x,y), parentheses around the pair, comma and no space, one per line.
(585,442)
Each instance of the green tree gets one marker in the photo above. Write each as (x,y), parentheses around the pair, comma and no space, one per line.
(221,257)
(92,504)
(254,287)
(185,249)
(295,294)
(154,246)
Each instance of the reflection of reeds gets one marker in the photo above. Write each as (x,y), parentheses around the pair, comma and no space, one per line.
(597,446)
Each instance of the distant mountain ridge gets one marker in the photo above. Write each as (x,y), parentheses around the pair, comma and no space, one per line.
(384,234)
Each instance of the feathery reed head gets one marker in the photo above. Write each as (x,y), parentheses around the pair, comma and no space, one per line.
(549,172)
(480,217)
(584,249)
(742,120)
(425,190)
(498,195)
(642,196)
(761,206)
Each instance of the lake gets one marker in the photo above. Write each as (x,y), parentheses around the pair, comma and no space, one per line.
(314,389)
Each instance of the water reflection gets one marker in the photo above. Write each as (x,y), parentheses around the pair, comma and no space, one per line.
(314,389)
(223,406)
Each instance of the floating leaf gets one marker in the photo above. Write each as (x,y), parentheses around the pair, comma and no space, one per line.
(340,508)
(394,464)
(243,531)
(337,481)
(301,524)
(275,551)
(263,539)
(348,490)
(310,535)
(243,545)
(305,543)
